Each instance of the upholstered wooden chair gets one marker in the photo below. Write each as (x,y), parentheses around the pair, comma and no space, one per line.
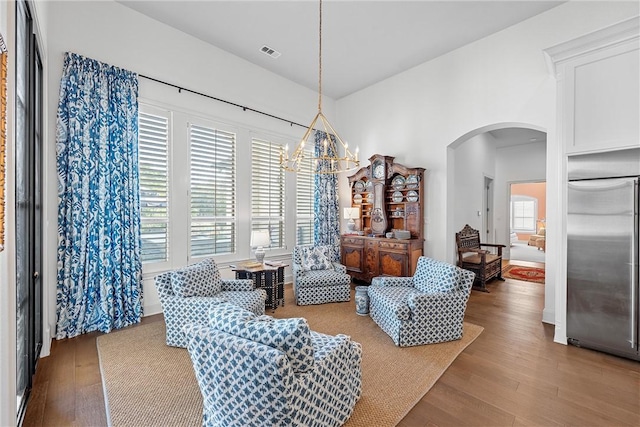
(472,256)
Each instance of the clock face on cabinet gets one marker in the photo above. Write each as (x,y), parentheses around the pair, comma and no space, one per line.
(378,170)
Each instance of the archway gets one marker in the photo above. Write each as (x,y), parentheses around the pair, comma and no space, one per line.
(465,179)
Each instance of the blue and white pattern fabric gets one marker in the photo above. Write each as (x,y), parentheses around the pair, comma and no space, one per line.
(314,258)
(326,223)
(99,278)
(319,286)
(411,316)
(292,336)
(435,276)
(179,311)
(197,280)
(245,383)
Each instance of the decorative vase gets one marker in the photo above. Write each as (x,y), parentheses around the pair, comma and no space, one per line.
(362,300)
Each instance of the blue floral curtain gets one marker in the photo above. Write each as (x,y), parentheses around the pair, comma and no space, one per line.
(99,264)
(326,220)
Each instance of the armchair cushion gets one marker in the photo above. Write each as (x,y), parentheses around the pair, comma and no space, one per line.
(197,280)
(314,258)
(291,336)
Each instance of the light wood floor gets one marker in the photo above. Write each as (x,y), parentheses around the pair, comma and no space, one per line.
(512,375)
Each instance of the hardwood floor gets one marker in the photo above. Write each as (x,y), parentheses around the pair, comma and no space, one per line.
(512,375)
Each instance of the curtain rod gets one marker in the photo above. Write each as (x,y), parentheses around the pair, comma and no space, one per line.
(244,108)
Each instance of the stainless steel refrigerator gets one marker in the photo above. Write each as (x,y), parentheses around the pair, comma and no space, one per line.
(602,252)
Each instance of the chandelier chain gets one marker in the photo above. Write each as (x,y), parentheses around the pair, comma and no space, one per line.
(332,154)
(320,60)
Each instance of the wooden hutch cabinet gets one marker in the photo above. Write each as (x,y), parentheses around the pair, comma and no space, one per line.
(391,199)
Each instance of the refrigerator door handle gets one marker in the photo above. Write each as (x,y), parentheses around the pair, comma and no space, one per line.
(634,265)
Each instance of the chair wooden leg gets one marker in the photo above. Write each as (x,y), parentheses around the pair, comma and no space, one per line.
(480,285)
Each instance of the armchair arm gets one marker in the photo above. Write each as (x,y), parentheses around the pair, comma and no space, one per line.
(237,285)
(297,271)
(337,360)
(427,304)
(476,250)
(494,245)
(339,268)
(392,281)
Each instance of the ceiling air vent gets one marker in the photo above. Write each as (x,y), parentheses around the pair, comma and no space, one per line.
(269,51)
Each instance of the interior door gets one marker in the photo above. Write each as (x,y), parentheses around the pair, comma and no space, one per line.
(487,224)
(28,232)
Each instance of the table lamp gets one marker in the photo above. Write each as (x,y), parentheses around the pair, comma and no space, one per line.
(260,239)
(351,214)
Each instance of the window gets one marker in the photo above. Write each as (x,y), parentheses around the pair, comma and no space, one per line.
(268,190)
(190,183)
(153,145)
(304,202)
(523,213)
(212,191)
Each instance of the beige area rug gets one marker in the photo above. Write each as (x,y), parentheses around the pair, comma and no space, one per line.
(147,383)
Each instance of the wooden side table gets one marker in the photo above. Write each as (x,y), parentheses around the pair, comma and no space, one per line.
(269,278)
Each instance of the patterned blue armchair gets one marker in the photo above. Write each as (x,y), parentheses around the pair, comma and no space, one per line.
(187,293)
(316,278)
(260,371)
(424,309)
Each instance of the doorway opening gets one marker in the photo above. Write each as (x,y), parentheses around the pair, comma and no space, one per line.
(527,222)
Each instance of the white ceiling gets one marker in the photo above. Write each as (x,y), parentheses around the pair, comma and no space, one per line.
(363,42)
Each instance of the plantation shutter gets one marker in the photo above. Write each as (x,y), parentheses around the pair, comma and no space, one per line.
(267,190)
(153,154)
(212,191)
(304,202)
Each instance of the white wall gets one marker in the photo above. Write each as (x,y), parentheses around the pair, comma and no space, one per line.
(114,34)
(474,159)
(499,79)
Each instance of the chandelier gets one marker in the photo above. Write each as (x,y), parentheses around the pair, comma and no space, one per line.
(333,156)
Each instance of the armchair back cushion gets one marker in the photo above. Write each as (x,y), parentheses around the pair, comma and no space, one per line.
(291,336)
(433,276)
(314,258)
(197,280)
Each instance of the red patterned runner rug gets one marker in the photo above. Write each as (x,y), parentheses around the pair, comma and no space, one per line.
(528,274)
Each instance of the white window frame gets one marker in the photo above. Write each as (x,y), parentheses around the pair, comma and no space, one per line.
(523,199)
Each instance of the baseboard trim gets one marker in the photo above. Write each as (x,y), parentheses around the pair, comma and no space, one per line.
(150,310)
(549,316)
